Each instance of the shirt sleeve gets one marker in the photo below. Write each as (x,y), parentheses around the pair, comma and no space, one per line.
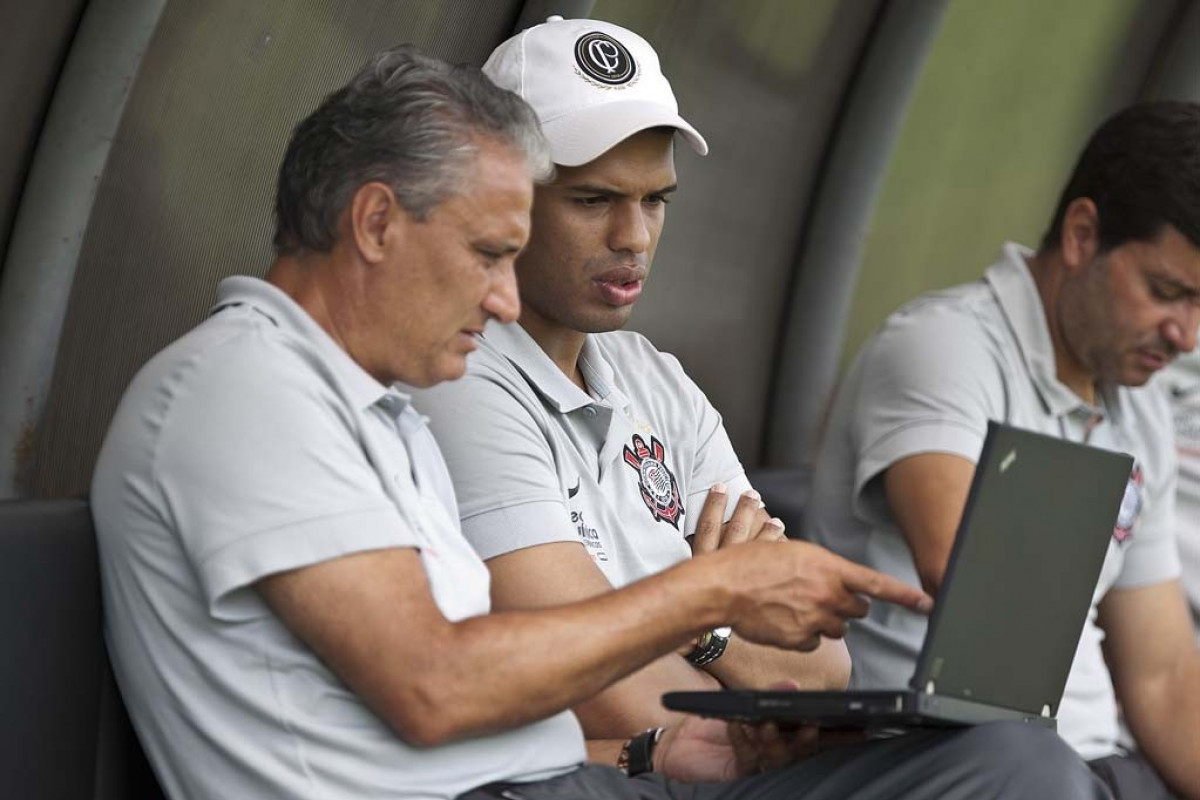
(1151,554)
(262,472)
(929,384)
(502,461)
(1181,384)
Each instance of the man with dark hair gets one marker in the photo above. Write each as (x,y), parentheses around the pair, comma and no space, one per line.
(1142,171)
(1057,341)
(290,606)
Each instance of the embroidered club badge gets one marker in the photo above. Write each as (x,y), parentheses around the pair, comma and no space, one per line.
(602,58)
(660,490)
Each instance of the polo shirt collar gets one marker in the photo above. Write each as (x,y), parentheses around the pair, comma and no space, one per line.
(1015,290)
(600,376)
(362,390)
(515,344)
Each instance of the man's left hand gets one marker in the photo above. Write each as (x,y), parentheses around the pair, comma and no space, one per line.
(749,522)
(698,750)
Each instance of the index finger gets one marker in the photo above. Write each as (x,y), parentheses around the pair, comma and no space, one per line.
(862,580)
(711,520)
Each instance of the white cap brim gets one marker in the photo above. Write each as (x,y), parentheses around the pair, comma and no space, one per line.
(584,135)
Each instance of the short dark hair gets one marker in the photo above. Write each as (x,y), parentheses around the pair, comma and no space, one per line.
(406,119)
(1142,170)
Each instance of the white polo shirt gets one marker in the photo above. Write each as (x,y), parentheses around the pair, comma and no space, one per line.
(250,446)
(929,381)
(535,459)
(1181,382)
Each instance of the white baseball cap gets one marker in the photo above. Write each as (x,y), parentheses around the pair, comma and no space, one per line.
(592,84)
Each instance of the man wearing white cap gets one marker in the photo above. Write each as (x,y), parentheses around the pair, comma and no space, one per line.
(580,454)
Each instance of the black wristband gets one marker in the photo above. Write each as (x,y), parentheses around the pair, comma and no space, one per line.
(637,756)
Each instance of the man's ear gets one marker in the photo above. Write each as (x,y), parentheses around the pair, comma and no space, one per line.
(1080,242)
(374,212)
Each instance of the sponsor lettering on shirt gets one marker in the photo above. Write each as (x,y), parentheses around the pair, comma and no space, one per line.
(589,536)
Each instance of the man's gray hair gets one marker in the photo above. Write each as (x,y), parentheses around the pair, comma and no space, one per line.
(407,120)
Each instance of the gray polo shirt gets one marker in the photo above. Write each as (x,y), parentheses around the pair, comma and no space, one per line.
(254,445)
(1181,381)
(929,381)
(623,469)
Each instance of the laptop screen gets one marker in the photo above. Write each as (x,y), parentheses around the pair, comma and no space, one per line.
(1026,560)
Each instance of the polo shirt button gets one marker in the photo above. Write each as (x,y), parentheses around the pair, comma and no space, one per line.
(591,411)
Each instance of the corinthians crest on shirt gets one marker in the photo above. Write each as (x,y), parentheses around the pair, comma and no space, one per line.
(660,490)
(1131,506)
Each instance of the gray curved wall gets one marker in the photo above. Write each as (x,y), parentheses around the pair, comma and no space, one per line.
(186,196)
(36,39)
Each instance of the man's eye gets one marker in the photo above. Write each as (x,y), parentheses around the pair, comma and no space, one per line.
(591,201)
(1165,292)
(657,200)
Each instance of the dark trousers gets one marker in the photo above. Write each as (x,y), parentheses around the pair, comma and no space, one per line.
(1001,761)
(1130,777)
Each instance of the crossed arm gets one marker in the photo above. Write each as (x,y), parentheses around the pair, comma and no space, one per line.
(745,665)
(562,572)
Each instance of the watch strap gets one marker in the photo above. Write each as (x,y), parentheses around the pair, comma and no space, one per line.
(637,755)
(710,646)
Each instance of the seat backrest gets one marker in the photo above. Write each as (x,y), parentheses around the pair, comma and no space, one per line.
(64,732)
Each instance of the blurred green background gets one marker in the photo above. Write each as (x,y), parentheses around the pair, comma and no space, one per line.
(1008,96)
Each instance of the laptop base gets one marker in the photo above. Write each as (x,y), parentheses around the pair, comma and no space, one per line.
(875,709)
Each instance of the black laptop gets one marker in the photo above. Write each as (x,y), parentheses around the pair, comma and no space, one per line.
(1001,639)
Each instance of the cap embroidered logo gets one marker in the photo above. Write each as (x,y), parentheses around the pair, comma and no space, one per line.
(604,59)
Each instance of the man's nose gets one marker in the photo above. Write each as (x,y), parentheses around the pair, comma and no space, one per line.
(630,230)
(502,300)
(1180,332)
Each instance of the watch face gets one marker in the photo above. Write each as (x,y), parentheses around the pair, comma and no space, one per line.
(724,631)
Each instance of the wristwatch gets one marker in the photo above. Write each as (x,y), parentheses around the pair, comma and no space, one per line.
(637,754)
(710,646)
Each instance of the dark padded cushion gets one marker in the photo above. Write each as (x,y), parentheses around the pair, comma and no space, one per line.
(51,673)
(63,730)
(785,491)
